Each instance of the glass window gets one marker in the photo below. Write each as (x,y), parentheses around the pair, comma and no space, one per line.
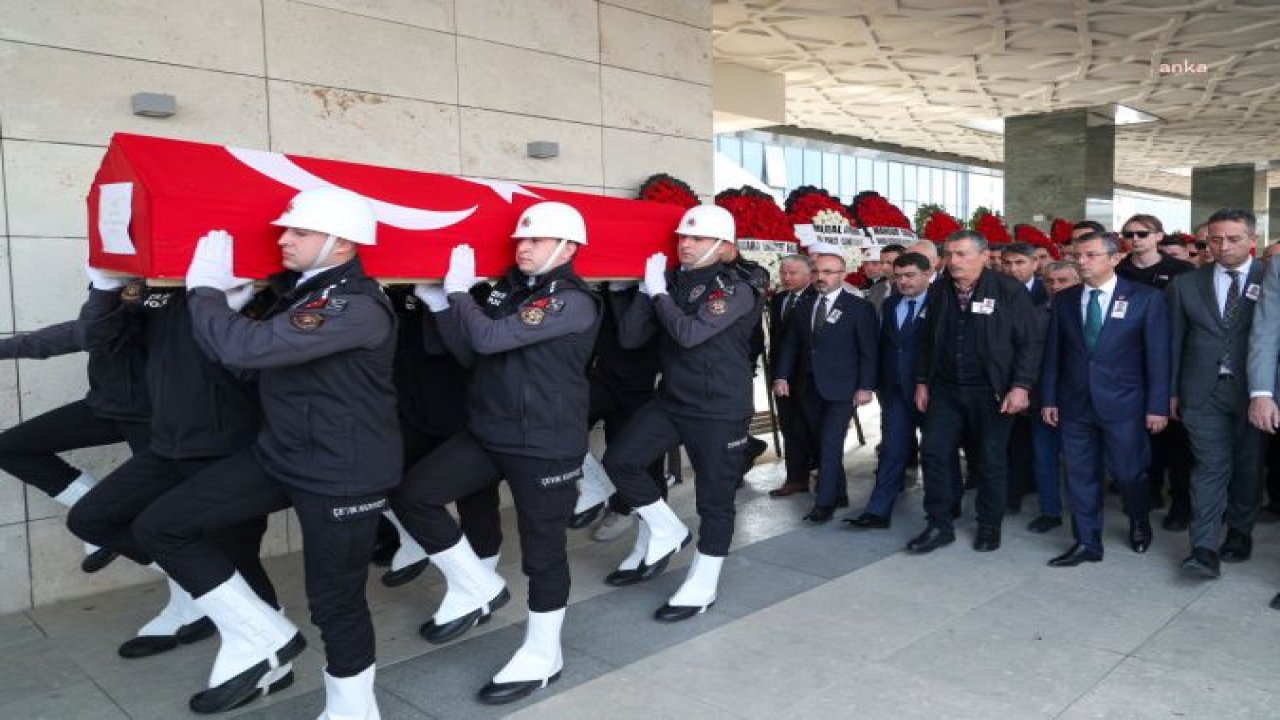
(953,189)
(831,173)
(895,183)
(880,183)
(753,158)
(864,174)
(775,166)
(795,167)
(731,147)
(909,183)
(813,168)
(938,189)
(848,177)
(924,194)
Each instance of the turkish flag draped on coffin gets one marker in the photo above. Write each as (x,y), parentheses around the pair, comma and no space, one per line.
(153,198)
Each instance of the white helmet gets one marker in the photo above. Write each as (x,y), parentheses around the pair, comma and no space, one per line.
(332,211)
(551,220)
(707,221)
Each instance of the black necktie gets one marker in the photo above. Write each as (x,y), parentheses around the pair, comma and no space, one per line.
(911,313)
(788,304)
(1231,311)
(820,315)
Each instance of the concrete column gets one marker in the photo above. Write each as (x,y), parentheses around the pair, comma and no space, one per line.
(1240,185)
(1058,165)
(1273,217)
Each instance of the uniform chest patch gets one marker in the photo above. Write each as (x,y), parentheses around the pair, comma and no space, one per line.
(532,316)
(306,320)
(716,304)
(132,292)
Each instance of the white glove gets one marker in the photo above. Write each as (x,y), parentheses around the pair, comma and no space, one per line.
(655,275)
(462,270)
(238,297)
(211,264)
(433,296)
(102,281)
(621,285)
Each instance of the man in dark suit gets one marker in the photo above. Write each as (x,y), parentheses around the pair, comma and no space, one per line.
(1212,313)
(883,287)
(1018,261)
(795,272)
(977,359)
(832,344)
(1105,383)
(896,386)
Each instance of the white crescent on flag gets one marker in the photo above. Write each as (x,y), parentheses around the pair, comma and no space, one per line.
(287,172)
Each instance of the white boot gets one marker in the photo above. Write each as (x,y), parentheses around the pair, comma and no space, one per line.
(350,698)
(626,572)
(256,639)
(594,487)
(535,665)
(410,559)
(71,495)
(667,535)
(472,593)
(491,562)
(180,621)
(613,526)
(697,593)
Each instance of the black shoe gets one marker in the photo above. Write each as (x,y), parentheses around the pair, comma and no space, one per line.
(819,515)
(1237,548)
(1076,555)
(98,559)
(148,645)
(396,578)
(1044,524)
(789,489)
(1202,563)
(587,517)
(622,578)
(439,634)
(1176,521)
(868,521)
(669,613)
(755,448)
(1275,602)
(957,509)
(987,539)
(1140,536)
(502,693)
(244,687)
(931,539)
(842,501)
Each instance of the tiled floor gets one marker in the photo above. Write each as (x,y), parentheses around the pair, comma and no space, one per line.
(811,622)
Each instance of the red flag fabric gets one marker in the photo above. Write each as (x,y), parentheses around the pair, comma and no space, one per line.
(165,194)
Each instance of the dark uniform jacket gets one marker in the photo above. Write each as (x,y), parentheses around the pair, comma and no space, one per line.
(430,383)
(528,347)
(621,370)
(323,354)
(117,381)
(1005,328)
(707,319)
(199,409)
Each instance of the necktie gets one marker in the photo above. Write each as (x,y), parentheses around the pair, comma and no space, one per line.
(821,315)
(1093,320)
(911,313)
(787,305)
(1231,310)
(1230,313)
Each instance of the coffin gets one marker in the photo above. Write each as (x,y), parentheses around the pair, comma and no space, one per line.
(153,198)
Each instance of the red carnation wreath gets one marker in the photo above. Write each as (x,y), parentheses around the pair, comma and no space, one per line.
(663,188)
(805,202)
(871,209)
(765,236)
(939,225)
(990,225)
(1034,236)
(1060,231)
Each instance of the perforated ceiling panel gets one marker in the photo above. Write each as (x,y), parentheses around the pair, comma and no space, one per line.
(913,72)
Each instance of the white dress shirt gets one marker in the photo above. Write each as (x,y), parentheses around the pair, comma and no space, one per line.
(1222,283)
(1108,289)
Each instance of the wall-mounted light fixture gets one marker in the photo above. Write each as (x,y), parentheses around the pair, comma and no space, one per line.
(157,105)
(542,149)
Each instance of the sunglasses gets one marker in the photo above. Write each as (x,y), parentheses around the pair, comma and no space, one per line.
(1131,234)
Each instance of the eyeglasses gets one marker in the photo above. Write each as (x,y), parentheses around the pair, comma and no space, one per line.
(1094,255)
(1193,254)
(1131,234)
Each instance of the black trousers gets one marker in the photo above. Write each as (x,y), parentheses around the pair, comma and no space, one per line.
(615,408)
(1171,456)
(716,451)
(29,450)
(800,441)
(954,413)
(106,516)
(544,492)
(478,513)
(1021,472)
(337,540)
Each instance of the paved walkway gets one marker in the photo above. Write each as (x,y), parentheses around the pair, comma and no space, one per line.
(818,622)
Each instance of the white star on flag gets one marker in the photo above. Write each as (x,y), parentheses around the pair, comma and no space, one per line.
(504,188)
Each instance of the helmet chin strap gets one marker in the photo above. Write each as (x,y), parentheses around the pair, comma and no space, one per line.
(546,265)
(711,251)
(323,255)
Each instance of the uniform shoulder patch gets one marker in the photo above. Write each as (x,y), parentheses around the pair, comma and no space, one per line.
(306,320)
(532,316)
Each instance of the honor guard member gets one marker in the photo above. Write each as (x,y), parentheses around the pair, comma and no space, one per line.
(114,410)
(200,413)
(704,314)
(528,343)
(431,386)
(329,447)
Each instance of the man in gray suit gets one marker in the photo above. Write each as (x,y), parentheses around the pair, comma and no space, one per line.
(1212,311)
(884,287)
